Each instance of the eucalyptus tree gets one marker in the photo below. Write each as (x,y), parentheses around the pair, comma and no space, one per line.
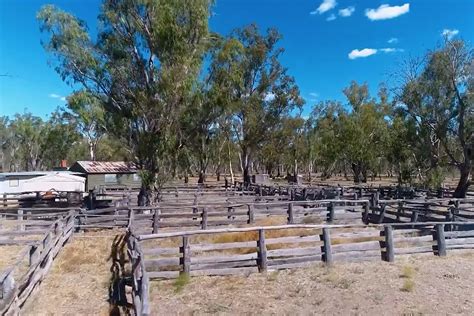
(256,88)
(88,115)
(141,67)
(439,97)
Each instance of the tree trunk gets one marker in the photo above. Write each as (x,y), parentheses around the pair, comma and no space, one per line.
(356,169)
(202,176)
(464,181)
(144,196)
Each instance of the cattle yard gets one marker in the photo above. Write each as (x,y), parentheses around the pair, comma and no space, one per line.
(127,258)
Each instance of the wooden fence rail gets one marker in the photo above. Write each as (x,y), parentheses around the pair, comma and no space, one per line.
(15,285)
(246,250)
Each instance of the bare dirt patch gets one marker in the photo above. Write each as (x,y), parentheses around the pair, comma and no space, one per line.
(411,286)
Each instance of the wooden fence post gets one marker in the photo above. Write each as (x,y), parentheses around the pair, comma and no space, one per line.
(440,240)
(326,248)
(365,215)
(290,219)
(230,210)
(130,217)
(156,219)
(20,219)
(389,254)
(204,219)
(34,255)
(251,214)
(186,255)
(330,210)
(382,213)
(262,251)
(5,201)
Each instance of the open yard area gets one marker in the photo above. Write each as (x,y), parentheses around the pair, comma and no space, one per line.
(78,283)
(410,286)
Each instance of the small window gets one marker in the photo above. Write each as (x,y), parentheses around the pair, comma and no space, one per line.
(136,177)
(110,178)
(14,183)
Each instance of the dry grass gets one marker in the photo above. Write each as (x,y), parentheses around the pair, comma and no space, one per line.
(370,288)
(78,283)
(408,285)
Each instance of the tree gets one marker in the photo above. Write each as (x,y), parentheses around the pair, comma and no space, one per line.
(88,115)
(255,86)
(141,68)
(439,98)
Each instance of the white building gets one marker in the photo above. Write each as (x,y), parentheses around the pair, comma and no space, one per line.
(41,181)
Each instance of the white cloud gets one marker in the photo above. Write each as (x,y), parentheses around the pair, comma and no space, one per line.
(332,17)
(325,6)
(57,96)
(449,34)
(393,40)
(269,97)
(385,12)
(366,52)
(313,96)
(392,50)
(346,12)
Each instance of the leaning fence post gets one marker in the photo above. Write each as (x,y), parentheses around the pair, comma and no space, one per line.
(186,255)
(327,251)
(262,251)
(251,214)
(382,213)
(440,240)
(130,217)
(365,215)
(389,254)
(291,219)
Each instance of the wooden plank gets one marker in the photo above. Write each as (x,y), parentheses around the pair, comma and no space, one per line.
(309,258)
(460,241)
(228,271)
(293,239)
(221,246)
(224,265)
(358,246)
(153,264)
(413,250)
(224,258)
(293,252)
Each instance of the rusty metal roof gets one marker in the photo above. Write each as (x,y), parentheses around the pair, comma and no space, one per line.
(107,166)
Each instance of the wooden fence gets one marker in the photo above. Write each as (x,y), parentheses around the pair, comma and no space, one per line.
(247,250)
(169,215)
(19,280)
(140,279)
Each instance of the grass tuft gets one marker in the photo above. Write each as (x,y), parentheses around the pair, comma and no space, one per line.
(180,282)
(407,272)
(408,285)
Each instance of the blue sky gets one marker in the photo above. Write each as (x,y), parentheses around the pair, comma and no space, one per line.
(318,37)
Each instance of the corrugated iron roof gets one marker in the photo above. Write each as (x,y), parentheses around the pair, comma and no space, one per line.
(108,166)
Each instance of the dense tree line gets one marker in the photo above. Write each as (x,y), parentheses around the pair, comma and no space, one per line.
(157,87)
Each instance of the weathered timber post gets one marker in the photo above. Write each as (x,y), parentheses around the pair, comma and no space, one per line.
(204,218)
(440,240)
(230,210)
(156,220)
(305,194)
(34,255)
(46,240)
(326,247)
(414,217)
(389,254)
(130,217)
(21,226)
(330,214)
(365,215)
(382,213)
(290,219)
(399,210)
(5,201)
(262,251)
(251,214)
(186,256)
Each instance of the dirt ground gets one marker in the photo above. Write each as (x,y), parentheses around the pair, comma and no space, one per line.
(428,285)
(78,283)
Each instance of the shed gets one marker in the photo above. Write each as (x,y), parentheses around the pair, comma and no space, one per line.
(41,181)
(108,174)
